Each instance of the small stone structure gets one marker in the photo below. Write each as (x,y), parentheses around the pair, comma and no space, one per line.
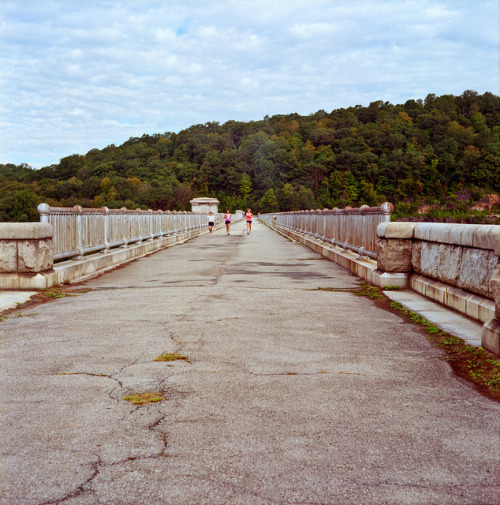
(26,256)
(205,205)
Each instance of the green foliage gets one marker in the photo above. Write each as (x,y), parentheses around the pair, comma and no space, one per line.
(422,152)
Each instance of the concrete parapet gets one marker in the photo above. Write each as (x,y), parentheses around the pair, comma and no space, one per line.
(456,265)
(99,263)
(26,257)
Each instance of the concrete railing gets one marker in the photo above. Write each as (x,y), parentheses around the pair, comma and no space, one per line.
(456,265)
(28,250)
(79,231)
(351,229)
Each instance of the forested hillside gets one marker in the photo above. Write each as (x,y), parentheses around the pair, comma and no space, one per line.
(442,150)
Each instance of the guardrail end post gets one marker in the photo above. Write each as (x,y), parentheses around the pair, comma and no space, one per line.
(43,210)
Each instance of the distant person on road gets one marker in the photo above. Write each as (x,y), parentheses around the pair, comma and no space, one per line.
(249,217)
(211,221)
(227,220)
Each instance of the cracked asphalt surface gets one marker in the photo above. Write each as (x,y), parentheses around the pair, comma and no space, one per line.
(291,395)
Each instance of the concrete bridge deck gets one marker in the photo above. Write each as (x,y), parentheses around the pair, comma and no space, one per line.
(296,390)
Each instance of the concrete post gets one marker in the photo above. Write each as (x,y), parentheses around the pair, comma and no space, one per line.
(26,256)
(394,254)
(106,229)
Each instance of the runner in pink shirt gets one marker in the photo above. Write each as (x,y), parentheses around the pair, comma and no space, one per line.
(249,217)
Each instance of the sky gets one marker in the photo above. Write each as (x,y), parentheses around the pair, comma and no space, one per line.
(83,74)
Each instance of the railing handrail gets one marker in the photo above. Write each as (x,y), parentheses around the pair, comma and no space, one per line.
(353,229)
(79,231)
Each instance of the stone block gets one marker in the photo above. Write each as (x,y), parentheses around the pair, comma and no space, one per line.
(27,282)
(462,234)
(25,231)
(422,231)
(396,230)
(444,233)
(439,261)
(8,256)
(495,289)
(456,299)
(479,308)
(394,255)
(436,291)
(426,258)
(465,235)
(450,260)
(417,283)
(486,310)
(476,270)
(35,255)
(472,306)
(490,337)
(487,237)
(416,254)
(383,279)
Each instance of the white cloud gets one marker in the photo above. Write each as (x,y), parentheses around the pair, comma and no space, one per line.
(78,75)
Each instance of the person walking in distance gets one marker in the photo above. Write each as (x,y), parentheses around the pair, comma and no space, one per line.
(249,217)
(227,220)
(211,221)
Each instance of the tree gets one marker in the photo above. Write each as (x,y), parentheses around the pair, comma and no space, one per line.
(245,186)
(19,206)
(268,203)
(420,151)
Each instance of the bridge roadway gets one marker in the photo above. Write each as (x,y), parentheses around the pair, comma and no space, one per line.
(296,390)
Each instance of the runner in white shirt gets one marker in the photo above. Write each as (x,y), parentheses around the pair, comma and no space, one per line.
(211,221)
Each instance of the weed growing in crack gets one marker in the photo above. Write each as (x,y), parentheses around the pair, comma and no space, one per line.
(166,356)
(55,293)
(370,291)
(143,398)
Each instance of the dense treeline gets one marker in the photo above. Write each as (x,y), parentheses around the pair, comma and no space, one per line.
(443,148)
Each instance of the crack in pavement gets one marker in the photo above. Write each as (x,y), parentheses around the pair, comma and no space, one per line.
(80,490)
(85,488)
